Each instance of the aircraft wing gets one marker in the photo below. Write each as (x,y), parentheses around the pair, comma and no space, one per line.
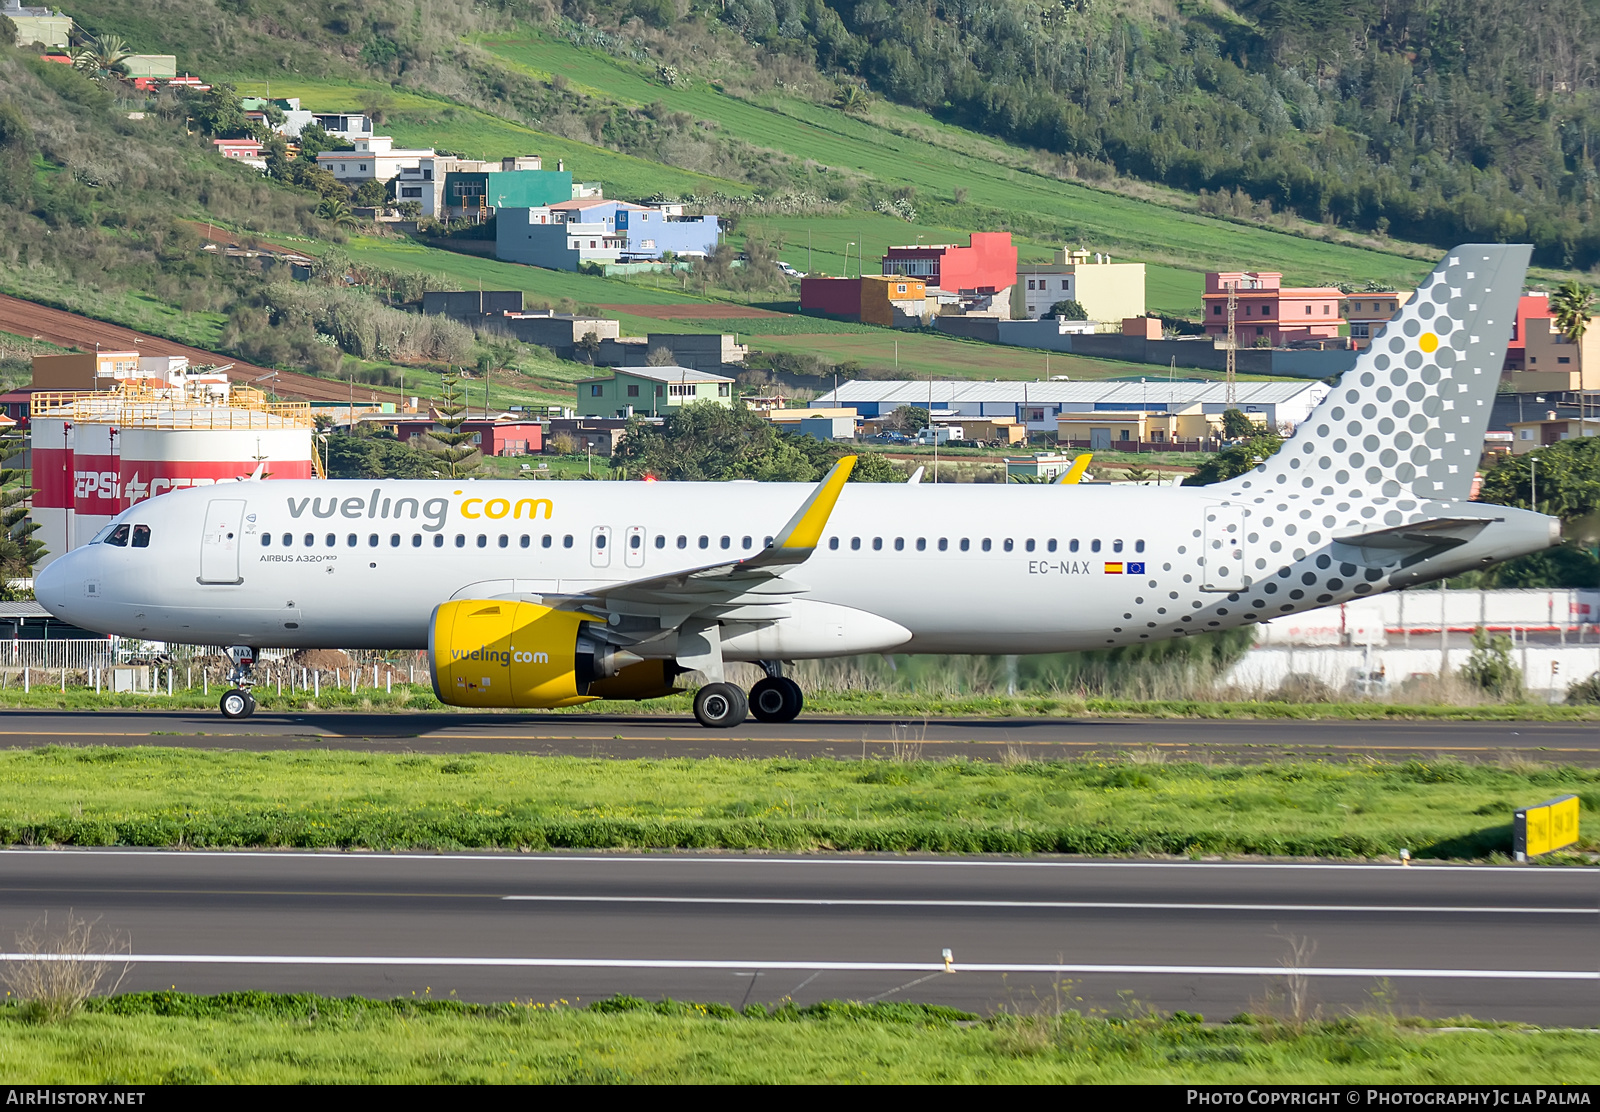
(749,589)
(1074,474)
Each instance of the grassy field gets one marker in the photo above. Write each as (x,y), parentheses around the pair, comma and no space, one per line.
(261,1038)
(313,798)
(886,147)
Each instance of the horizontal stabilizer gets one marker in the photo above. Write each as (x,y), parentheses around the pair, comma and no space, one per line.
(1416,541)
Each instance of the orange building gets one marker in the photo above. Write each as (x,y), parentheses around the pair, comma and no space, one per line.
(1267,310)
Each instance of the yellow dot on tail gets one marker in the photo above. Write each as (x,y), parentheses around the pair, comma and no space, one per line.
(1428,342)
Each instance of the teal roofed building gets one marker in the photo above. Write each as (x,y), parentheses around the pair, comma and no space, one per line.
(468,193)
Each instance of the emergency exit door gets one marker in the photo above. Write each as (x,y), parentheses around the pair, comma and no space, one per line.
(219,546)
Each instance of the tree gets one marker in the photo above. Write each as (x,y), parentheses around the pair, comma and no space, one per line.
(1489,666)
(707,442)
(1138,473)
(1237,425)
(1071,310)
(1572,305)
(370,194)
(314,139)
(218,112)
(909,419)
(103,58)
(1235,459)
(589,346)
(660,357)
(853,99)
(454,450)
(8,31)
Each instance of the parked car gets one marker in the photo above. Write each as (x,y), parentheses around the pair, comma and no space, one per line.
(789,270)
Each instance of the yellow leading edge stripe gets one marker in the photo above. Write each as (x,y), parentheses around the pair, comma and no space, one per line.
(805,528)
(1073,474)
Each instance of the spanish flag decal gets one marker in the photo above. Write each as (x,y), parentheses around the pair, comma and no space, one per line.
(1114,569)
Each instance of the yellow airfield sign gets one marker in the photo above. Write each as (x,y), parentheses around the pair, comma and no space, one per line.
(1545,827)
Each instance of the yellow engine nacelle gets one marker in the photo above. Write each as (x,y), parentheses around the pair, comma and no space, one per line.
(509,654)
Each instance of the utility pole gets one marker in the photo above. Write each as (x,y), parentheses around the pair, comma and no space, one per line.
(1533,481)
(1231,393)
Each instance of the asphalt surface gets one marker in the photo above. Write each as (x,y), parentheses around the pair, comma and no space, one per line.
(1503,943)
(811,736)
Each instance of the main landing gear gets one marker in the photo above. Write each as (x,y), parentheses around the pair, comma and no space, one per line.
(237,702)
(722,706)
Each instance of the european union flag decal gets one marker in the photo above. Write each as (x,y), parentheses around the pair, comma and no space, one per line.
(1136,569)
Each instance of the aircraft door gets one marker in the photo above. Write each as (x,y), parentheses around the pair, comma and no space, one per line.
(600,547)
(1224,549)
(633,553)
(219,546)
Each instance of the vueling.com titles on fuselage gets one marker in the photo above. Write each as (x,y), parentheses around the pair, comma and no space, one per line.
(503,657)
(434,512)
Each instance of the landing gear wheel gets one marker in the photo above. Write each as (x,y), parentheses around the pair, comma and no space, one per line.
(776,699)
(720,706)
(237,704)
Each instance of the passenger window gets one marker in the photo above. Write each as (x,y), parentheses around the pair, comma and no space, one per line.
(288,540)
(546,542)
(1029,545)
(1006,544)
(1138,546)
(438,540)
(372,540)
(1094,546)
(141,536)
(767,543)
(351,540)
(877,544)
(705,542)
(566,540)
(1072,545)
(505,541)
(833,543)
(330,540)
(922,544)
(661,540)
(394,540)
(526,540)
(986,544)
(943,544)
(747,544)
(1050,545)
(727,542)
(899,544)
(461,540)
(266,538)
(965,544)
(683,541)
(636,542)
(855,544)
(483,541)
(416,540)
(600,540)
(1116,546)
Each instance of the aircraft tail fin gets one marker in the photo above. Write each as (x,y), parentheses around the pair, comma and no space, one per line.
(1409,417)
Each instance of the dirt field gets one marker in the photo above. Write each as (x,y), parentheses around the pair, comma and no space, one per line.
(25,318)
(693,312)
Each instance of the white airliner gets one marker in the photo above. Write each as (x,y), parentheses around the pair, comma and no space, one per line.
(544,595)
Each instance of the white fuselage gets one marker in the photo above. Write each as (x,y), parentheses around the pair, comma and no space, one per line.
(962,568)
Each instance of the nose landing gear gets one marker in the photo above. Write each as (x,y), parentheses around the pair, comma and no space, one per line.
(237,702)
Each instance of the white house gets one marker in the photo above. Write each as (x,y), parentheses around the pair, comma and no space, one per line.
(374,159)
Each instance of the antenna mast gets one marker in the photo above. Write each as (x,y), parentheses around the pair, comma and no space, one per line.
(1232,392)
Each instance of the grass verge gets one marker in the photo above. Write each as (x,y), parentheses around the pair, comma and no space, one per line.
(315,799)
(46,694)
(176,1038)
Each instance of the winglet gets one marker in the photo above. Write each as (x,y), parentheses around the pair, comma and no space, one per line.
(916,477)
(1072,475)
(804,529)
(255,476)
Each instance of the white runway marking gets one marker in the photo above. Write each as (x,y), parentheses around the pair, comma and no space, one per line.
(1070,905)
(840,966)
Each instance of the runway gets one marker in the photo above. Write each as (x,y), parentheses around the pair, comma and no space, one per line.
(658,736)
(1502,943)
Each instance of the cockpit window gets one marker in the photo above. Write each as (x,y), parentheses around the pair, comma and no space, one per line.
(141,536)
(105,531)
(119,536)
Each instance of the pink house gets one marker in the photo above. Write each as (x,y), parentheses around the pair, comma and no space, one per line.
(237,148)
(1265,309)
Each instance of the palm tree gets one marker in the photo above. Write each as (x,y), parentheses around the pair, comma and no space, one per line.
(102,57)
(1571,305)
(854,100)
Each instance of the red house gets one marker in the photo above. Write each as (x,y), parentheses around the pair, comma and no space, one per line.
(1532,306)
(512,437)
(1266,309)
(978,277)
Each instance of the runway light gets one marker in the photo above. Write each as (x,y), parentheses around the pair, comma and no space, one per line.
(949,962)
(1405,857)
